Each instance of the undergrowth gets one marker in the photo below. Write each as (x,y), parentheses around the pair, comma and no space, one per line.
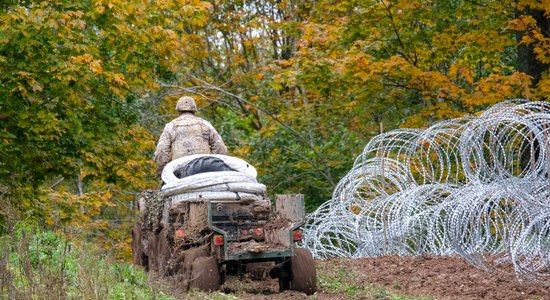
(38,264)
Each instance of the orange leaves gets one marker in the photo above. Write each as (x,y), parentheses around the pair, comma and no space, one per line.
(496,88)
(119,79)
(457,72)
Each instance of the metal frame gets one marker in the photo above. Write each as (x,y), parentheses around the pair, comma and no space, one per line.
(267,255)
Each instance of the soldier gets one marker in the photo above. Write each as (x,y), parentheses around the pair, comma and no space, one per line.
(187,135)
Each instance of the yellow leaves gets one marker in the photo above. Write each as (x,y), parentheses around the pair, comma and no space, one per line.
(489,40)
(94,65)
(117,82)
(531,33)
(544,84)
(242,151)
(31,82)
(269,130)
(522,23)
(195,12)
(431,113)
(133,172)
(259,76)
(318,35)
(86,171)
(100,6)
(275,152)
(276,86)
(284,63)
(82,58)
(542,5)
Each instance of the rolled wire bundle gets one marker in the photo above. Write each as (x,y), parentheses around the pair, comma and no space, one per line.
(476,187)
(484,220)
(373,178)
(334,233)
(434,155)
(416,225)
(492,148)
(530,253)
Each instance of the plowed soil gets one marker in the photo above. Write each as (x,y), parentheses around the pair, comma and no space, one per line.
(380,278)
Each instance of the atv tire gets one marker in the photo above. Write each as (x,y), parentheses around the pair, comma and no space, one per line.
(303,276)
(205,274)
(139,257)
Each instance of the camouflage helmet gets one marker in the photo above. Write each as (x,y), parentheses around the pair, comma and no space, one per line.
(186,103)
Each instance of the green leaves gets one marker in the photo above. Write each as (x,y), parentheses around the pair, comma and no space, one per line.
(71,73)
(296,88)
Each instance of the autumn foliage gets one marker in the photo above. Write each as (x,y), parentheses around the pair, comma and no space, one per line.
(295,87)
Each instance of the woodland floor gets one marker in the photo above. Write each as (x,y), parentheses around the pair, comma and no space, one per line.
(425,277)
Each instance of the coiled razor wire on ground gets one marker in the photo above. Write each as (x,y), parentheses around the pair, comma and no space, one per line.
(477,187)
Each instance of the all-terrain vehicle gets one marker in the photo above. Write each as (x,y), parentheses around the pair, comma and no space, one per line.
(198,237)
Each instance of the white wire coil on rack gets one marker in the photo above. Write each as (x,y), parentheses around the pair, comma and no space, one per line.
(213,181)
(238,185)
(477,187)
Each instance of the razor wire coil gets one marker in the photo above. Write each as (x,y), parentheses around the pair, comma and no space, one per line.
(477,187)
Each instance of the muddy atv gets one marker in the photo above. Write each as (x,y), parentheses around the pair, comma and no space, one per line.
(199,242)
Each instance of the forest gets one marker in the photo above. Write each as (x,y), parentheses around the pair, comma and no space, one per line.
(295,87)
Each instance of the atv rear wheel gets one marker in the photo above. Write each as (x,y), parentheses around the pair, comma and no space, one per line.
(139,258)
(205,274)
(303,276)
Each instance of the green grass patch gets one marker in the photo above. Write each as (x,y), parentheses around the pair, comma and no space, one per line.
(38,264)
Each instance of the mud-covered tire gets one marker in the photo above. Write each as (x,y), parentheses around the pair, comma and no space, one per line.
(152,247)
(303,276)
(164,252)
(191,255)
(205,274)
(139,257)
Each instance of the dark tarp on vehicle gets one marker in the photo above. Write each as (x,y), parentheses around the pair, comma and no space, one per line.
(202,165)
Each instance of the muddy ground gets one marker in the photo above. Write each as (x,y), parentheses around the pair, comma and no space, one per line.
(390,277)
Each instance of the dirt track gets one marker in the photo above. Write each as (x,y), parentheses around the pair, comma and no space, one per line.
(436,277)
(445,278)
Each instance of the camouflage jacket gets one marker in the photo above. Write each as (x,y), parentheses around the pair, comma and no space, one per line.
(187,135)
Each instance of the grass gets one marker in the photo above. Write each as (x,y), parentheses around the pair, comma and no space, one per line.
(37,264)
